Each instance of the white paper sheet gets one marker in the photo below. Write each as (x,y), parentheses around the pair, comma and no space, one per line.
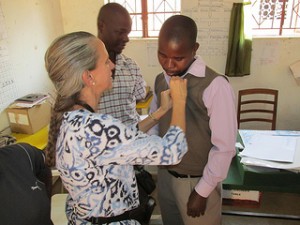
(269,147)
(247,137)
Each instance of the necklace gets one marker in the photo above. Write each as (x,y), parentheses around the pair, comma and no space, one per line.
(86,106)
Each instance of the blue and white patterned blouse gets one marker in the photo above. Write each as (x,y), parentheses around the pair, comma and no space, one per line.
(95,158)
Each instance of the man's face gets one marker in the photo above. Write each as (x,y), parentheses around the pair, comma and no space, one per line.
(115,33)
(175,57)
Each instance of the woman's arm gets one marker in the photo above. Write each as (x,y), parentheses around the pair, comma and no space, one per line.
(178,87)
(153,118)
(176,96)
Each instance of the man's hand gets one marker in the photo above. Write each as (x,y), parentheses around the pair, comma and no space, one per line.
(196,205)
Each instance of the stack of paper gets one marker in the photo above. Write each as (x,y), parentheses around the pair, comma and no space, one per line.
(275,149)
(30,100)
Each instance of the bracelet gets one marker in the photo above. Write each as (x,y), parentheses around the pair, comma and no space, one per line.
(153,117)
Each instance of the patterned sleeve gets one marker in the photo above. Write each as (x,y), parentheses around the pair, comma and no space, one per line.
(145,149)
(105,140)
(127,145)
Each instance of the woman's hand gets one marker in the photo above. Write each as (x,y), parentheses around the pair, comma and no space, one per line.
(178,89)
(166,101)
(177,92)
(177,95)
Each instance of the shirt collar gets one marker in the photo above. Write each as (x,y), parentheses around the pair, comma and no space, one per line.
(119,57)
(197,68)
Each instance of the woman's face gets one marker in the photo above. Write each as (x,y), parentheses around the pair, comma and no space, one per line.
(103,71)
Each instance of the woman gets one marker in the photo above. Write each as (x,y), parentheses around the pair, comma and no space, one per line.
(95,153)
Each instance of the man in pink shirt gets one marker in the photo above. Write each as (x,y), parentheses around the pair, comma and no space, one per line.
(190,192)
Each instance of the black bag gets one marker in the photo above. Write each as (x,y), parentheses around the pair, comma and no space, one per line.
(144,179)
(146,186)
(25,186)
(144,211)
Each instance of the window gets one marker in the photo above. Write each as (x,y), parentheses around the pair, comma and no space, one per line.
(149,15)
(275,17)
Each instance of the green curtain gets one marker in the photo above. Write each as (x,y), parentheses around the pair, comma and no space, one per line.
(239,48)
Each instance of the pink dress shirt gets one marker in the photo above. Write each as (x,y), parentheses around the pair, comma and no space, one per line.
(219,99)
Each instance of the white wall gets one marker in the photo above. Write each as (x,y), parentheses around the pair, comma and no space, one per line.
(270,68)
(80,15)
(31,25)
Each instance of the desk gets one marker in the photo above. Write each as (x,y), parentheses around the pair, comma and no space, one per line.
(38,139)
(243,177)
(142,107)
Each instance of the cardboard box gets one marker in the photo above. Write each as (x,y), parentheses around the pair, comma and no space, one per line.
(28,120)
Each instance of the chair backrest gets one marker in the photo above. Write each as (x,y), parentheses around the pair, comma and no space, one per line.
(257,105)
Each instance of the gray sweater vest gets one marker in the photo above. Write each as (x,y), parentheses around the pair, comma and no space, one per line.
(198,132)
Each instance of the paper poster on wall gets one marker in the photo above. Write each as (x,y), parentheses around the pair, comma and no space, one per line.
(8,89)
(193,4)
(212,18)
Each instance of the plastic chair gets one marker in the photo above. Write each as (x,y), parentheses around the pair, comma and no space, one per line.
(257,105)
(58,212)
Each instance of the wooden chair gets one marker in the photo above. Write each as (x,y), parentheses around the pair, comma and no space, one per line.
(257,105)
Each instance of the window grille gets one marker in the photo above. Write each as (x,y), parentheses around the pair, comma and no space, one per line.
(149,15)
(276,17)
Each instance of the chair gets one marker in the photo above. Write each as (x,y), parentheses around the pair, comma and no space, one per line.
(58,212)
(257,105)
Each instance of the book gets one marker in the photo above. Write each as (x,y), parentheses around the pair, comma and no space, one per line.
(30,100)
(246,198)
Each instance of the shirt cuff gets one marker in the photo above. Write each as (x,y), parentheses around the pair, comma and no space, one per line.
(203,188)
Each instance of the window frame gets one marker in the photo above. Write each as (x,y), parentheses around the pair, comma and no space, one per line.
(144,16)
(289,16)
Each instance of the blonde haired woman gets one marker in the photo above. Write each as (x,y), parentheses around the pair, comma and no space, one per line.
(95,153)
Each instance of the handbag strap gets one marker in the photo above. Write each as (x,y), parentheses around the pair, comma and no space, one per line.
(27,155)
